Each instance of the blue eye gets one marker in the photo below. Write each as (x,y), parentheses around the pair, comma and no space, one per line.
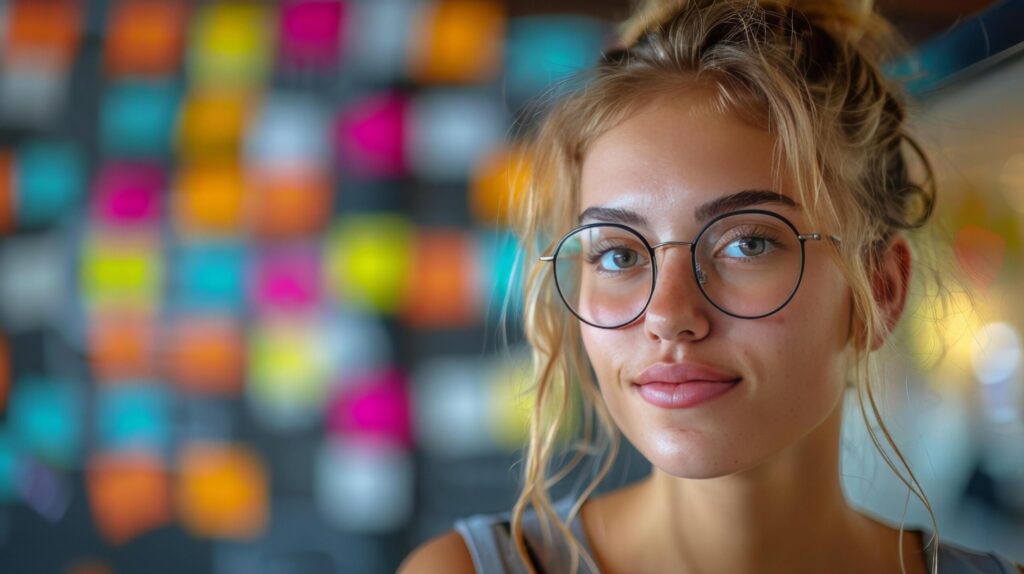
(619,259)
(749,246)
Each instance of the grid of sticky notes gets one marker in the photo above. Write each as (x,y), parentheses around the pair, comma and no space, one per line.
(247,232)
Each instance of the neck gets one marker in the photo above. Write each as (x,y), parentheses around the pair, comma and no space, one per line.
(787,515)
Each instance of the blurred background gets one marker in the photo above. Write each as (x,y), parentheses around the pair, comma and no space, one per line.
(253,265)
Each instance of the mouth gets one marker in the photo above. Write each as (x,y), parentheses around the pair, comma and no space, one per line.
(683,395)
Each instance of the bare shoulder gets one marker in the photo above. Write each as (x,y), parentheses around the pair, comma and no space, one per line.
(446,553)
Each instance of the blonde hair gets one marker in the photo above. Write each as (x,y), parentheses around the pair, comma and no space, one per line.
(807,72)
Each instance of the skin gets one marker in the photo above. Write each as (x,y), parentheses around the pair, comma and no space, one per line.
(749,481)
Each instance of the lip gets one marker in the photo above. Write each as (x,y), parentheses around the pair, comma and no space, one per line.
(683,385)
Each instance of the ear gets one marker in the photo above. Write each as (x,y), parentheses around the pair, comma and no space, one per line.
(889,283)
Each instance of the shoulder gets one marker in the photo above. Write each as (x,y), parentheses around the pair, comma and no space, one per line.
(446,553)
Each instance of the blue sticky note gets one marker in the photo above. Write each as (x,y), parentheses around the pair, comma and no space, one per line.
(134,416)
(210,276)
(51,182)
(545,50)
(138,119)
(46,419)
(10,467)
(503,279)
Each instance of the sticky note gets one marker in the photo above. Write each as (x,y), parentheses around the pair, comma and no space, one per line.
(457,41)
(291,130)
(287,278)
(209,199)
(212,125)
(35,280)
(138,118)
(441,288)
(129,494)
(498,184)
(374,404)
(311,34)
(45,32)
(452,407)
(50,182)
(145,37)
(134,416)
(44,489)
(32,96)
(204,355)
(209,276)
(451,131)
(286,379)
(122,347)
(230,45)
(10,466)
(354,344)
(45,418)
(370,136)
(364,486)
(121,270)
(369,258)
(128,194)
(289,202)
(379,38)
(222,491)
(543,51)
(501,276)
(6,191)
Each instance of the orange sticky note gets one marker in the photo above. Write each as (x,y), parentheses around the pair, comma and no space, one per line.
(44,31)
(289,202)
(145,37)
(129,494)
(458,41)
(498,184)
(205,355)
(440,289)
(209,199)
(122,347)
(222,491)
(6,191)
(212,124)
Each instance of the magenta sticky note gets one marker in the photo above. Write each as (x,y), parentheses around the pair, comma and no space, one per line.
(129,193)
(287,278)
(370,136)
(311,33)
(376,404)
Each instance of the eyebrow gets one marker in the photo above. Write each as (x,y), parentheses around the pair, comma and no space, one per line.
(703,212)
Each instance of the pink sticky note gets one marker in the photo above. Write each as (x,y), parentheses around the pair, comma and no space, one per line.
(129,193)
(370,136)
(288,278)
(311,32)
(375,405)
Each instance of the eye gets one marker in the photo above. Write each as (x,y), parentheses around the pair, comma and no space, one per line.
(619,259)
(748,246)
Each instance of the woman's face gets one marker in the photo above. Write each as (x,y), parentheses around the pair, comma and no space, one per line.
(662,164)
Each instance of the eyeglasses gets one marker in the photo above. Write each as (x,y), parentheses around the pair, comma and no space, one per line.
(747,263)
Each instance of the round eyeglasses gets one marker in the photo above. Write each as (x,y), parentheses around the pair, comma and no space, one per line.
(747,263)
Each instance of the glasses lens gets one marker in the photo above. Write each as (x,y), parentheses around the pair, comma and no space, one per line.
(604,275)
(749,264)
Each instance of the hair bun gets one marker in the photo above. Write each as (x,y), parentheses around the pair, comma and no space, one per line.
(851,22)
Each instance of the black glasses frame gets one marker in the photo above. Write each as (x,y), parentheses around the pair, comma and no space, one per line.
(698,274)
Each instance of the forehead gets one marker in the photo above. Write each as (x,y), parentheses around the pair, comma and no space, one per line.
(675,154)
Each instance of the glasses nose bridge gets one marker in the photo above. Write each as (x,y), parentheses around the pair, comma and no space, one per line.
(701,276)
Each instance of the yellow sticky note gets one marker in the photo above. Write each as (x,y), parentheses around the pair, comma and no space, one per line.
(368,261)
(231,45)
(122,270)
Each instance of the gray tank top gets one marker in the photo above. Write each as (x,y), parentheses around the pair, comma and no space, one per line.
(488,538)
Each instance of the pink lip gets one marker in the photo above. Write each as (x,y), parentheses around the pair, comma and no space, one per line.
(683,385)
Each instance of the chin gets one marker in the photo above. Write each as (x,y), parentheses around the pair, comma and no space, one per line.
(689,457)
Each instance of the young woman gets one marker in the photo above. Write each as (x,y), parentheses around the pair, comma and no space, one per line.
(723,216)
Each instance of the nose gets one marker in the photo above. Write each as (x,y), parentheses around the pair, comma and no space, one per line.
(678,309)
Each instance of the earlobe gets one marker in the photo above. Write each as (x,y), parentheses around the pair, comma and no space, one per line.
(889,282)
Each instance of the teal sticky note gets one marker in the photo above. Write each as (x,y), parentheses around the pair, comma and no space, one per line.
(50,182)
(138,119)
(46,419)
